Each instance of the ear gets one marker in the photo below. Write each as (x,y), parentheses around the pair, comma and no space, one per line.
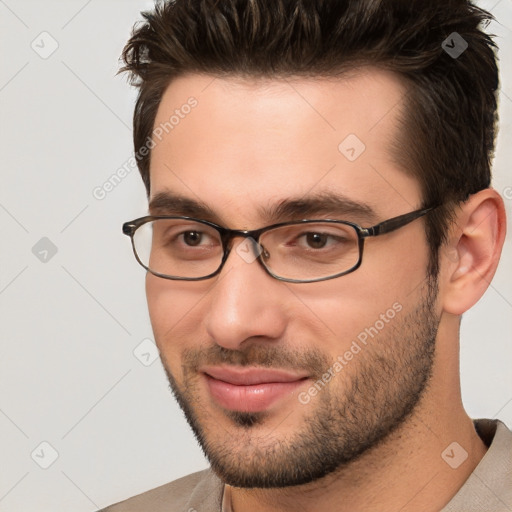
(469,259)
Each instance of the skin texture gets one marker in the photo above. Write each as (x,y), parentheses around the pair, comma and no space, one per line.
(372,438)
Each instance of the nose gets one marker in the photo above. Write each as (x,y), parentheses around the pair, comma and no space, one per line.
(245,302)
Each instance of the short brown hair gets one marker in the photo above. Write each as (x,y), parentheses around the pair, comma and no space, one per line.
(448,123)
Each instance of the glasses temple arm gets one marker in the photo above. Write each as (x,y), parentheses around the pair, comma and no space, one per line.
(397,222)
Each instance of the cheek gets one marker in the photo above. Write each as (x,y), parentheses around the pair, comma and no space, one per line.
(174,310)
(159,302)
(388,281)
(397,263)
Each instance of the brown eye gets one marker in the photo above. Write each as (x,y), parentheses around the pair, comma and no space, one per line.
(192,238)
(316,240)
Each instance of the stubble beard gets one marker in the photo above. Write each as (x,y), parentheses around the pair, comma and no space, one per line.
(376,393)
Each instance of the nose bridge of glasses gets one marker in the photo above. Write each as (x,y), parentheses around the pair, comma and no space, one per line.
(248,249)
(228,235)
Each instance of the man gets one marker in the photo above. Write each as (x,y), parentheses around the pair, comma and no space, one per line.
(320,218)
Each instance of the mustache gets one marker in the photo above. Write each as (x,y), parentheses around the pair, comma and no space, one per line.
(312,361)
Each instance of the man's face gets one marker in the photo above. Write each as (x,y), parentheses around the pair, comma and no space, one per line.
(282,382)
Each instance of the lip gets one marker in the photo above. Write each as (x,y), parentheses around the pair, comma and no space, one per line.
(250,389)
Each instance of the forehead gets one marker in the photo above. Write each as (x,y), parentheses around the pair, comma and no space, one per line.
(247,142)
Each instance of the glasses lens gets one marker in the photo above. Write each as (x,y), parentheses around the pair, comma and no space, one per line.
(178,248)
(308,251)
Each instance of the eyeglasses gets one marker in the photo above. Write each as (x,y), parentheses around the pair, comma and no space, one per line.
(306,251)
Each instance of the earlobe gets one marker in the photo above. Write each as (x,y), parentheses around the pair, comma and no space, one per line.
(473,251)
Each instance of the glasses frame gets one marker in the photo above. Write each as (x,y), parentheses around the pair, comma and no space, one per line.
(227,235)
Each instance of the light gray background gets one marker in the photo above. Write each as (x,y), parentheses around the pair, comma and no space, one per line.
(70,325)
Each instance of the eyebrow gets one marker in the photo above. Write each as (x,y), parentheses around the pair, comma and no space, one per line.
(325,204)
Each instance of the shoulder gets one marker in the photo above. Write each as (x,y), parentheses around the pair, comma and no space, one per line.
(197,492)
(489,487)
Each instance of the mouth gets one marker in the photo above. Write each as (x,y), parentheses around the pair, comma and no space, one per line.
(250,389)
